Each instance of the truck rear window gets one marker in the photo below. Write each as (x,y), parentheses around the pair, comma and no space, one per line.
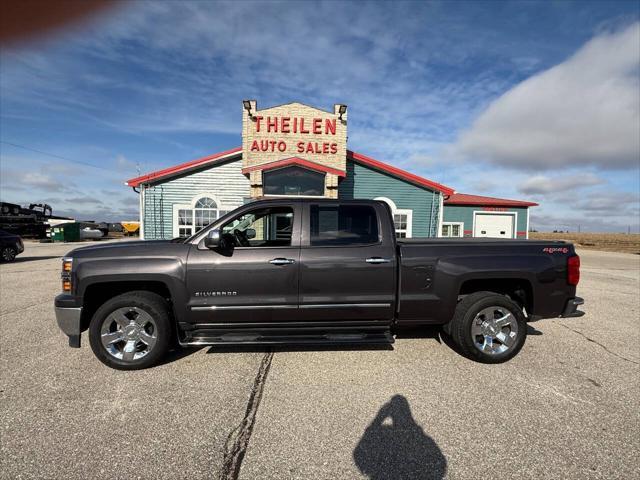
(343,225)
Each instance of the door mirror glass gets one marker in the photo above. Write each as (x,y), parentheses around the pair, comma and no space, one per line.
(212,240)
(250,233)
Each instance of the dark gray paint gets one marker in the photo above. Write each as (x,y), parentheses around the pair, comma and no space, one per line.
(327,288)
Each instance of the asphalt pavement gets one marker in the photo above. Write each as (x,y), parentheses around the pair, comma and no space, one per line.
(568,406)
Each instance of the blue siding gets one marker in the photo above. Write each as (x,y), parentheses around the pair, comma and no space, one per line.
(464,213)
(365,182)
(225,182)
(229,187)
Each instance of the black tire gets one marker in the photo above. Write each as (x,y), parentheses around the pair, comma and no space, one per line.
(150,303)
(8,254)
(466,311)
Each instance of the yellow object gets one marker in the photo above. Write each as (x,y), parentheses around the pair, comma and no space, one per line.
(130,227)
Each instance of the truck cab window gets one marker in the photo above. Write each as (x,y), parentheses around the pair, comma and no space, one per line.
(265,227)
(343,225)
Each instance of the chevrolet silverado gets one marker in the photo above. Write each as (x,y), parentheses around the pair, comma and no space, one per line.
(310,271)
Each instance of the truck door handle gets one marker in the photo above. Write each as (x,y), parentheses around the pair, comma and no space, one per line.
(378,260)
(281,261)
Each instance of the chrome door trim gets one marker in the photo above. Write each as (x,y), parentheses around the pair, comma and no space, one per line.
(346,305)
(240,307)
(312,305)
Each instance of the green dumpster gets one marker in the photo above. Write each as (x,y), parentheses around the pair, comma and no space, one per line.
(57,234)
(67,232)
(72,232)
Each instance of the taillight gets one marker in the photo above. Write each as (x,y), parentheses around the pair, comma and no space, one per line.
(573,270)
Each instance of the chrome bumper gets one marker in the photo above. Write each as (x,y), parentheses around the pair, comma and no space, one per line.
(68,319)
(571,309)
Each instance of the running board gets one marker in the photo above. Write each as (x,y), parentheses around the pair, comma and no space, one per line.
(274,338)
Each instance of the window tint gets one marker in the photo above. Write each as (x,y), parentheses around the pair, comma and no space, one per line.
(264,227)
(293,181)
(343,225)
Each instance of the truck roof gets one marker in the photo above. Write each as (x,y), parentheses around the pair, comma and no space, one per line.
(313,200)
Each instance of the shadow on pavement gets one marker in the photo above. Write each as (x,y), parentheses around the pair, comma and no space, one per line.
(532,331)
(177,354)
(32,259)
(394,446)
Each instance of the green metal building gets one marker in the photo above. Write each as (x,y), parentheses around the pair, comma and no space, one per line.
(180,200)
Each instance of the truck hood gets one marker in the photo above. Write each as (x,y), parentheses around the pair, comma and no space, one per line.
(136,248)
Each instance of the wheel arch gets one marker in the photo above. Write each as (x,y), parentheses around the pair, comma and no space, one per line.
(97,293)
(520,290)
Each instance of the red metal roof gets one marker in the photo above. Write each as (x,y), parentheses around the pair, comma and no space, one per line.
(177,169)
(294,161)
(397,172)
(357,157)
(466,199)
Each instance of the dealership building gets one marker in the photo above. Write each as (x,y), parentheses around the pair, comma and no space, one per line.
(295,150)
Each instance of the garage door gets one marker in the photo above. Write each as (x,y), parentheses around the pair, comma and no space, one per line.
(494,226)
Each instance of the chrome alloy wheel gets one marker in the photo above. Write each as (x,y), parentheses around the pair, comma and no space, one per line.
(128,333)
(494,330)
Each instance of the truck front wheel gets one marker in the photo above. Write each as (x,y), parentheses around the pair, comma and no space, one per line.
(488,327)
(131,331)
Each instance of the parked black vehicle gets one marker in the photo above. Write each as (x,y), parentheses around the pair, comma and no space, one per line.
(10,246)
(310,271)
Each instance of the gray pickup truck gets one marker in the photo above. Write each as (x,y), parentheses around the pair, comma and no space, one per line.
(310,271)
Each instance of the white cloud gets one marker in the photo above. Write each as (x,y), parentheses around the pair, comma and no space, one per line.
(614,204)
(541,184)
(585,110)
(14,180)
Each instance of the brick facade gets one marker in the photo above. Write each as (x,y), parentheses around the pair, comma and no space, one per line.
(293,138)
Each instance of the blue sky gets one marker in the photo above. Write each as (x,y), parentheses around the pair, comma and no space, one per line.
(529,100)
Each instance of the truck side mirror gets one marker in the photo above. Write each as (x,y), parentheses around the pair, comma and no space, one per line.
(250,233)
(212,240)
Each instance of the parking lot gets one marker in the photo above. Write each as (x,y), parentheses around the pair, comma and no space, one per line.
(568,406)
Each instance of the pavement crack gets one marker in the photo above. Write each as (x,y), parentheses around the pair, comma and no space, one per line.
(621,357)
(238,440)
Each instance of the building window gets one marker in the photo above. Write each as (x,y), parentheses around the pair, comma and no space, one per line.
(402,218)
(293,181)
(185,223)
(400,222)
(190,219)
(205,212)
(452,229)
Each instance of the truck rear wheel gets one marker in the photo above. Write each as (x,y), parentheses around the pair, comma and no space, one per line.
(131,331)
(488,327)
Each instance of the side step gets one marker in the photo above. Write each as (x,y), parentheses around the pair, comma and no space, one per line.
(233,335)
